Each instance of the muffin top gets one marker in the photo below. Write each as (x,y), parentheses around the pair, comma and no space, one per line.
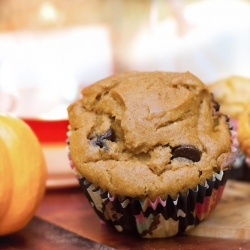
(244,130)
(148,134)
(232,93)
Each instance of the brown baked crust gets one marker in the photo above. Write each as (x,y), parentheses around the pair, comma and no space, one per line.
(244,130)
(232,93)
(151,114)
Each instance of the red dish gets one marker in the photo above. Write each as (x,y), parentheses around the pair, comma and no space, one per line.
(49,131)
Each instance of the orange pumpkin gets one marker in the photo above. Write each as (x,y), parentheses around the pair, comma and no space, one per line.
(23,174)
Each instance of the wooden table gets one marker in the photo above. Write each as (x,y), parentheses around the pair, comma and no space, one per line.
(65,220)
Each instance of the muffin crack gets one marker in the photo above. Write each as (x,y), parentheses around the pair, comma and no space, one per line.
(168,123)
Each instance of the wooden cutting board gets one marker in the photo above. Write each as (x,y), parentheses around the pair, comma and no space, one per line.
(231,218)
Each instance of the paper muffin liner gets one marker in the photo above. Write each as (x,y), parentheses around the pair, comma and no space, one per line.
(241,168)
(159,218)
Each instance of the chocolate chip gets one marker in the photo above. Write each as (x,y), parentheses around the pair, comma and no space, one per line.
(108,135)
(200,173)
(214,103)
(99,142)
(187,151)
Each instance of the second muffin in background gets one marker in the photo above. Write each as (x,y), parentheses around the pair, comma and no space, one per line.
(232,93)
(151,151)
(244,132)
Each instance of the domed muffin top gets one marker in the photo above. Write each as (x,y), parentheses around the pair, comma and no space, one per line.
(148,134)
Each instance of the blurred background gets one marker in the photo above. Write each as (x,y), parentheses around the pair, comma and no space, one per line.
(50,50)
(63,45)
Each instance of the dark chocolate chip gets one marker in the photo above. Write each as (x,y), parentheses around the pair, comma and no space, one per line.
(108,135)
(99,142)
(187,151)
(214,103)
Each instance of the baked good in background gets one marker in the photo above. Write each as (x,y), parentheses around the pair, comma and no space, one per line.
(141,140)
(244,132)
(232,93)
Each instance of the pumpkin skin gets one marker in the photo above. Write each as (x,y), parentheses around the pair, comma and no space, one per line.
(5,179)
(23,174)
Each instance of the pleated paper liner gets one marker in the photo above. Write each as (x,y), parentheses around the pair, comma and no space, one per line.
(159,218)
(240,170)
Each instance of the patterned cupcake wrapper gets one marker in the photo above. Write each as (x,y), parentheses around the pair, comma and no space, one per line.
(241,167)
(161,218)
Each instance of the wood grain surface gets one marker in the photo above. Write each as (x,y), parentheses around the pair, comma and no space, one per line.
(231,218)
(43,235)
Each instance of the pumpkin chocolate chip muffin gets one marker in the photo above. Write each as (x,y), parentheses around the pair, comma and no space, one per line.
(233,94)
(143,138)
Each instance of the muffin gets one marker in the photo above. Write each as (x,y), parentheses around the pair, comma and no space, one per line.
(244,133)
(232,93)
(151,151)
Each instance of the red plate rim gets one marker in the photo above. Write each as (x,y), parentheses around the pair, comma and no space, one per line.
(49,131)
